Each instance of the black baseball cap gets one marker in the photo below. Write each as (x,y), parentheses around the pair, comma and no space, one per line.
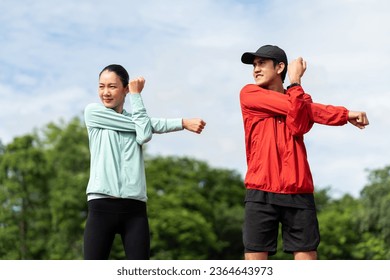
(267,51)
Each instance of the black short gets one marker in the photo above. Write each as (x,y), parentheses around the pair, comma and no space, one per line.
(300,231)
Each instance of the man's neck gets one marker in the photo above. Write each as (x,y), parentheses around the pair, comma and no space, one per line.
(276,87)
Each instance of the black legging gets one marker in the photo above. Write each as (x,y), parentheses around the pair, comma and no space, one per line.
(107,217)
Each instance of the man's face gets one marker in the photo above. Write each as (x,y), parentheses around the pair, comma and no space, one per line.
(112,93)
(264,72)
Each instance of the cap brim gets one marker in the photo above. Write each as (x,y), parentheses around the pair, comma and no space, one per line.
(248,58)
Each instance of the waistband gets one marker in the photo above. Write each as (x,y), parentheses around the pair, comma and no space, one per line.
(119,205)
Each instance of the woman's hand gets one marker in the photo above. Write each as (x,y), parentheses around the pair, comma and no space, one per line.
(136,85)
(194,125)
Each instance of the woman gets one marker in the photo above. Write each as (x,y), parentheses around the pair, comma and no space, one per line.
(116,189)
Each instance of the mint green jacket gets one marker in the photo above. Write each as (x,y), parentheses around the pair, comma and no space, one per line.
(115,142)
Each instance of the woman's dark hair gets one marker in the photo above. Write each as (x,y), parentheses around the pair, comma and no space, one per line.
(120,71)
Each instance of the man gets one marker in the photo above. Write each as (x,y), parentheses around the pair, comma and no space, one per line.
(278,180)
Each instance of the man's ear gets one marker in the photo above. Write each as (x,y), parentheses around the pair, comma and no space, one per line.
(127,89)
(281,67)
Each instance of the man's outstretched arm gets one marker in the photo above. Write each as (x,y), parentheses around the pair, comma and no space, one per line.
(319,113)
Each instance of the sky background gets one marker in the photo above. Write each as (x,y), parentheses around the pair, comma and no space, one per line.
(51,53)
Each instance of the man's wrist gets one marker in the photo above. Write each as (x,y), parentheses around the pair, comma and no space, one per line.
(293,85)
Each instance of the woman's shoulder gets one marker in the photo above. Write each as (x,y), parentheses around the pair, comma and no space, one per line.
(92,106)
(93,109)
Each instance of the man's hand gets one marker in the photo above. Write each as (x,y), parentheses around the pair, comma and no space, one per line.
(358,119)
(136,85)
(296,69)
(194,125)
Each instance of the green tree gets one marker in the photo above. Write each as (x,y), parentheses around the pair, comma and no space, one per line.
(23,198)
(196,212)
(42,180)
(375,218)
(67,153)
(338,221)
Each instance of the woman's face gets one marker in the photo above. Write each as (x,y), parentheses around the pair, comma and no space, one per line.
(112,93)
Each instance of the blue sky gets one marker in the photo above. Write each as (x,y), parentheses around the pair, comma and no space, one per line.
(189,53)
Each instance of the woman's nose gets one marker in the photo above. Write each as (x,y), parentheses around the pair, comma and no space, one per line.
(106,92)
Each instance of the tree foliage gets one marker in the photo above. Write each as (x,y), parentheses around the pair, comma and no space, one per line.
(23,198)
(338,222)
(66,148)
(375,219)
(195,210)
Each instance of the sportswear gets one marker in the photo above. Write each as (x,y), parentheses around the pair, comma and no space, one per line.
(115,142)
(274,125)
(108,217)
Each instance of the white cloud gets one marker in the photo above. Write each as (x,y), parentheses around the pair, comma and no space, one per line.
(189,53)
(20,114)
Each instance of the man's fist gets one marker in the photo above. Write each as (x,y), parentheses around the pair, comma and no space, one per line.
(358,119)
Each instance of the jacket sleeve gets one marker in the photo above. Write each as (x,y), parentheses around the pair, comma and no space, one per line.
(98,116)
(263,103)
(298,118)
(304,112)
(296,105)
(143,127)
(328,114)
(161,125)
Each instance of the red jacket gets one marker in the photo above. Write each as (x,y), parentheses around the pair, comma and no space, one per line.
(274,126)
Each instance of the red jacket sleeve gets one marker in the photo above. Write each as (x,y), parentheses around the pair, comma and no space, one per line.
(328,114)
(298,118)
(314,112)
(263,103)
(296,105)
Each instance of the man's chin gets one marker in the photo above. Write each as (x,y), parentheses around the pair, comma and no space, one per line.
(260,84)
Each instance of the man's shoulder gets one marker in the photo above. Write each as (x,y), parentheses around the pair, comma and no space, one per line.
(249,87)
(252,88)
